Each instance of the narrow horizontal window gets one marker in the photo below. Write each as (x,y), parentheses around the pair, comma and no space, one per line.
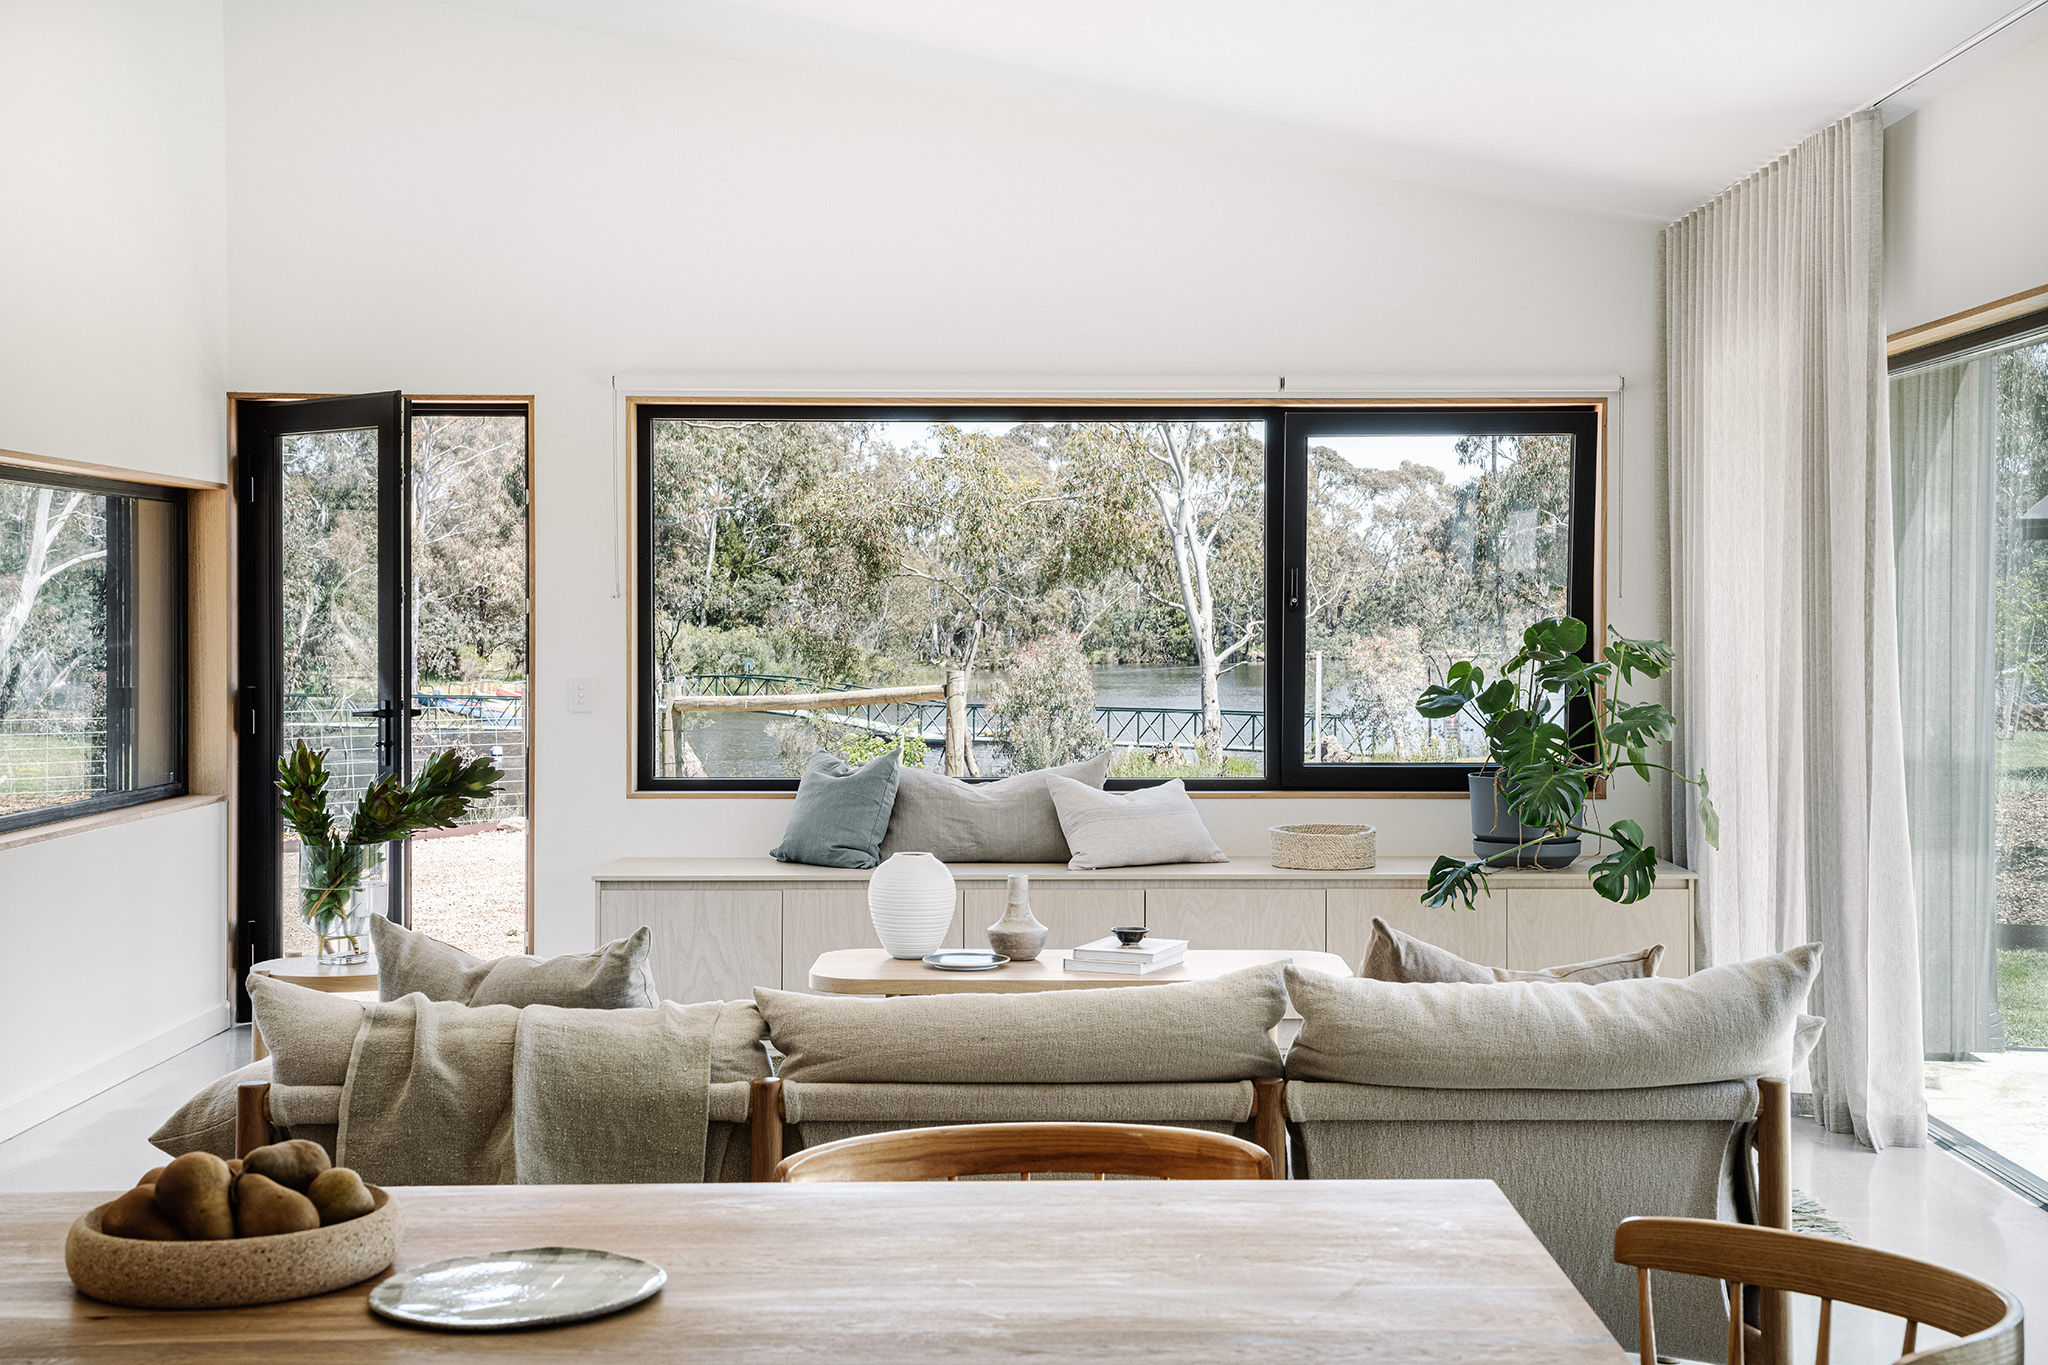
(92,666)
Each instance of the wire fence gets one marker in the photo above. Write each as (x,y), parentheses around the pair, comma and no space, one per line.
(51,758)
(48,758)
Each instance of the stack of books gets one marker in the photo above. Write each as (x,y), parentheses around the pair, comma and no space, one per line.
(1108,955)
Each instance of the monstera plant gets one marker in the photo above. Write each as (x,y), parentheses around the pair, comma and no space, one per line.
(1547,766)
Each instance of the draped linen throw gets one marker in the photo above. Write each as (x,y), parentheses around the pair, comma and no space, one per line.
(1783,608)
(439,1093)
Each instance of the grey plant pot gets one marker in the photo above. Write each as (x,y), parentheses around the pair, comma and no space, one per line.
(1495,831)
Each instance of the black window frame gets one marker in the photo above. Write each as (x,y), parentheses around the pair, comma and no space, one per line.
(176,498)
(1288,427)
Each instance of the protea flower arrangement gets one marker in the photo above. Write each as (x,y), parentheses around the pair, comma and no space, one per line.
(339,873)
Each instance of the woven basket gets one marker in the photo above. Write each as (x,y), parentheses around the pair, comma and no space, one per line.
(1323,848)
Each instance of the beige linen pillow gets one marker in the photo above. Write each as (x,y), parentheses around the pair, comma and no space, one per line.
(1131,829)
(1212,1030)
(615,977)
(1725,1023)
(1011,821)
(1395,956)
(310,1033)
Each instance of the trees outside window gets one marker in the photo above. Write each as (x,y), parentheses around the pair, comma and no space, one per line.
(1098,577)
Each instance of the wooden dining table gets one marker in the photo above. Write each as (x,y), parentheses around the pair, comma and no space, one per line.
(1284,1272)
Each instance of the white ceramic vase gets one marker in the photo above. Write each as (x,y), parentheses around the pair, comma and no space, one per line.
(910,899)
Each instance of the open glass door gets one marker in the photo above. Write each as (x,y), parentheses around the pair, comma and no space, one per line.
(324,541)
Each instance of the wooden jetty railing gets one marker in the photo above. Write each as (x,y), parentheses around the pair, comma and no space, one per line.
(953,691)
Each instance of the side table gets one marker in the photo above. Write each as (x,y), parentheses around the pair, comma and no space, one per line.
(308,971)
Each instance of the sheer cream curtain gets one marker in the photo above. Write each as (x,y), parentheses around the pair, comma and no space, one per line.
(1783,607)
(1944,421)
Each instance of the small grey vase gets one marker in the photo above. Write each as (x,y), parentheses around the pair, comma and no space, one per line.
(1018,935)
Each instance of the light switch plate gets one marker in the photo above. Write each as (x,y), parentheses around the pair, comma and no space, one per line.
(583,694)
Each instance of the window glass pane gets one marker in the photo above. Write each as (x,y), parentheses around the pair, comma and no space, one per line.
(1099,584)
(1423,550)
(91,693)
(469,669)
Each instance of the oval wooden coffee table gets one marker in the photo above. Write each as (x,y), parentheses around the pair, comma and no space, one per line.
(871,971)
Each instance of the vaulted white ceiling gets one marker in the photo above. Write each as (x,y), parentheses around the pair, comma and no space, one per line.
(1634,106)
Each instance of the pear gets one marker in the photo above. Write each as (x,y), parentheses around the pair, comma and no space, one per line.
(291,1164)
(135,1214)
(193,1193)
(264,1208)
(339,1194)
(150,1179)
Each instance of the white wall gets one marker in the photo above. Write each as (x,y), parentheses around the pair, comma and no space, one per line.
(427,197)
(1966,204)
(112,197)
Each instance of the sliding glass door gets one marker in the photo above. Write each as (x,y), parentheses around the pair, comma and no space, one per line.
(1970,479)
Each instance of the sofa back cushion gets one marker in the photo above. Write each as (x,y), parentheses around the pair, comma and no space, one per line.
(1723,1023)
(615,977)
(310,1033)
(1011,821)
(1213,1030)
(1395,956)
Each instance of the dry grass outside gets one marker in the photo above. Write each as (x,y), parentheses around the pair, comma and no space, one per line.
(468,890)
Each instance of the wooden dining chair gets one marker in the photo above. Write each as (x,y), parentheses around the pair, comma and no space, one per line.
(1985,1317)
(1028,1149)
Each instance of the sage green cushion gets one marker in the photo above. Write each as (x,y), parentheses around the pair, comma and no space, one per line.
(1725,1023)
(615,977)
(841,812)
(1011,821)
(1395,956)
(1212,1030)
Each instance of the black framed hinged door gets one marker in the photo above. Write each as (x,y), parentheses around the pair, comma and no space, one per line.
(323,535)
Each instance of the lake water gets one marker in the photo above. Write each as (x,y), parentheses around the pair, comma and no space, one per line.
(739,744)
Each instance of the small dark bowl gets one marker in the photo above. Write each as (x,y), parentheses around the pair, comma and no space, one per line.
(1130,937)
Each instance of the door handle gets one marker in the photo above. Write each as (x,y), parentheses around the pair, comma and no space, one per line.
(387,716)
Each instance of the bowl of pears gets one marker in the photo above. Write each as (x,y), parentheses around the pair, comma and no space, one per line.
(281,1223)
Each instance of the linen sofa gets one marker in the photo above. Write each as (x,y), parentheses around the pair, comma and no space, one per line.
(1578,1130)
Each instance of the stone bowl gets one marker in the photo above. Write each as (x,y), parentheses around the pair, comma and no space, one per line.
(235,1272)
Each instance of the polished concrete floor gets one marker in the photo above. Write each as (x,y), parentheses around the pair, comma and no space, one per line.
(1916,1201)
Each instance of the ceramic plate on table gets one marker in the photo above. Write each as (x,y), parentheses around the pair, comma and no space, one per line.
(503,1289)
(965,960)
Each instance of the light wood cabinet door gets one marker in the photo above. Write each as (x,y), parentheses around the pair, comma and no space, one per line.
(823,919)
(1224,917)
(704,942)
(1074,914)
(1552,928)
(1479,935)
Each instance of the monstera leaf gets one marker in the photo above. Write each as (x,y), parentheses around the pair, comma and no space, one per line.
(1455,879)
(1628,873)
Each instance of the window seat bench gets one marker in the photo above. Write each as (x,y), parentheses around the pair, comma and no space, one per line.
(721,926)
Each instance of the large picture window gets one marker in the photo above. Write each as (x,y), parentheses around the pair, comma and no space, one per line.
(1159,582)
(92,694)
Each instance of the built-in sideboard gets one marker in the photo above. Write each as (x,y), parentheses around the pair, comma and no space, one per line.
(721,926)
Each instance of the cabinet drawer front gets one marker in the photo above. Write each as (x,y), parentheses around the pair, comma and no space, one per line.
(1551,928)
(1479,935)
(704,943)
(1221,917)
(1074,915)
(820,920)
